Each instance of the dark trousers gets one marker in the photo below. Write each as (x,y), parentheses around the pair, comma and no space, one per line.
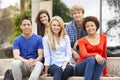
(59,74)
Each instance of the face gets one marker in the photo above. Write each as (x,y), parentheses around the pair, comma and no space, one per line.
(56,27)
(44,18)
(77,15)
(26,27)
(90,27)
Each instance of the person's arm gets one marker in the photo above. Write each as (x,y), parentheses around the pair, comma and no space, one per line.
(45,74)
(68,49)
(64,65)
(46,51)
(40,55)
(40,49)
(75,54)
(46,70)
(105,55)
(16,51)
(16,54)
(47,57)
(75,45)
(74,51)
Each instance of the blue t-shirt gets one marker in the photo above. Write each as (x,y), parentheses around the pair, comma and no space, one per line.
(28,46)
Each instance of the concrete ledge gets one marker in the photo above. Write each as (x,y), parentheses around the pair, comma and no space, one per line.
(113,64)
(76,78)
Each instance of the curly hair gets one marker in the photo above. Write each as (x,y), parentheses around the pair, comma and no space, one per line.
(90,18)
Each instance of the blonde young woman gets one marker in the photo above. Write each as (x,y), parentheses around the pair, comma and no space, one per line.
(57,51)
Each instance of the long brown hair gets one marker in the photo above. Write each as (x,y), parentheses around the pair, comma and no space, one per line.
(40,26)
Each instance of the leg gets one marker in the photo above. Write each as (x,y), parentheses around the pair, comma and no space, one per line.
(56,72)
(98,70)
(36,71)
(16,70)
(86,68)
(67,72)
(19,70)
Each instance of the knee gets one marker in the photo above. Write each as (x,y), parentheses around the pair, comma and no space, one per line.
(16,63)
(40,64)
(70,67)
(59,70)
(91,60)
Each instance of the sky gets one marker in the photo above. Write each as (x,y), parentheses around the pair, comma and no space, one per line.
(6,3)
(91,6)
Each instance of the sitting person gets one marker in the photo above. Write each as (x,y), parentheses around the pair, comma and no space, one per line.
(28,53)
(93,57)
(57,51)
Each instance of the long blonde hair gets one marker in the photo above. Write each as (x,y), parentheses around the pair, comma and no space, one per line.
(61,33)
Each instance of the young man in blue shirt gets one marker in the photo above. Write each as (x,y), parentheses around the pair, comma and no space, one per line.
(28,53)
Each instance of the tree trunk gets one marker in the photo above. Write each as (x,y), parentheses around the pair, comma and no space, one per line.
(22,5)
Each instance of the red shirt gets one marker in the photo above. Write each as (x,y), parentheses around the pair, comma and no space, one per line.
(87,49)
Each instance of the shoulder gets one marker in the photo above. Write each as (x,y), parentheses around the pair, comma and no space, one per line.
(103,35)
(37,36)
(69,24)
(18,38)
(66,36)
(83,39)
(45,38)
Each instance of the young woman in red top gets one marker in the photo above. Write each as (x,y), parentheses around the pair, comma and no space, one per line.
(92,60)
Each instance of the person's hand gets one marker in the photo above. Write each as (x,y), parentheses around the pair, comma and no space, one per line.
(64,66)
(30,62)
(43,76)
(108,75)
(99,59)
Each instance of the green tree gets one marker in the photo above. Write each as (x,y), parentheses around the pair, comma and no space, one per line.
(114,5)
(16,19)
(60,9)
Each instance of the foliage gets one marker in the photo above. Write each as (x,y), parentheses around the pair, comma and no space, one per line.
(110,24)
(16,31)
(114,5)
(60,9)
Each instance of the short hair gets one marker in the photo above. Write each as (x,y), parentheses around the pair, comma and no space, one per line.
(91,18)
(25,18)
(76,8)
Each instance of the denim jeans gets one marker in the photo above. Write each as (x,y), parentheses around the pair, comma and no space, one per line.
(59,74)
(89,68)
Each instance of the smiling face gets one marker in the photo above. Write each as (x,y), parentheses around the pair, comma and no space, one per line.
(26,27)
(90,27)
(77,15)
(56,27)
(44,18)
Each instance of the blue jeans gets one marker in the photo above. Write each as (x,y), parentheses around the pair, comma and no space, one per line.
(59,74)
(89,68)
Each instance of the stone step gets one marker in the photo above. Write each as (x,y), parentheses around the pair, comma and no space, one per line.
(113,64)
(76,78)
